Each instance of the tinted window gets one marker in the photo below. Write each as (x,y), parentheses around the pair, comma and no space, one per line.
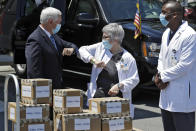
(85,6)
(126,9)
(3,4)
(30,6)
(31,12)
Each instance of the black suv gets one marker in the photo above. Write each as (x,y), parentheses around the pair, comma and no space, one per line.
(83,21)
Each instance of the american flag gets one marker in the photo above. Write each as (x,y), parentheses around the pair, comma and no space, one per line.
(137,21)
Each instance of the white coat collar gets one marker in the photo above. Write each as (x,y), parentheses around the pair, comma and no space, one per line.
(103,51)
(178,33)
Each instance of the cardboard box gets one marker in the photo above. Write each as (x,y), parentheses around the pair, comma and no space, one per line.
(29,112)
(134,129)
(34,126)
(36,91)
(67,101)
(54,115)
(85,121)
(117,123)
(58,126)
(57,116)
(110,106)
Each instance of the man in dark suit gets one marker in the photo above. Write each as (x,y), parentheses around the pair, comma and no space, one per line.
(45,50)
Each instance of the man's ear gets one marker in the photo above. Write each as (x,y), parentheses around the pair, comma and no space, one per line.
(168,18)
(179,15)
(175,15)
(50,21)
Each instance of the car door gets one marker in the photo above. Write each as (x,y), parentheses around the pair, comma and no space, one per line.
(25,27)
(80,33)
(7,20)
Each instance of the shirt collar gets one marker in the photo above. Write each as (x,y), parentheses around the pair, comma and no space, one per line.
(47,33)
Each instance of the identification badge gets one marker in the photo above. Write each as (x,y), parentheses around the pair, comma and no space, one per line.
(123,65)
(174,60)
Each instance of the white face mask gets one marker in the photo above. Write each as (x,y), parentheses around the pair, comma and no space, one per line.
(38,2)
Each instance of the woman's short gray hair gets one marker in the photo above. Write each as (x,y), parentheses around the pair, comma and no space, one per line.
(49,13)
(115,31)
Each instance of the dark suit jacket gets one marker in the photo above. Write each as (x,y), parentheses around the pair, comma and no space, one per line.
(43,60)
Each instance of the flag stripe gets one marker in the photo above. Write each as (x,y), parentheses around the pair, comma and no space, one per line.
(137,22)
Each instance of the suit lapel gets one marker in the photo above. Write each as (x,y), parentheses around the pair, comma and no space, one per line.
(172,41)
(165,42)
(48,41)
(175,37)
(167,38)
(177,34)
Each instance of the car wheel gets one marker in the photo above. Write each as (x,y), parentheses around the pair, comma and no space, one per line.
(21,70)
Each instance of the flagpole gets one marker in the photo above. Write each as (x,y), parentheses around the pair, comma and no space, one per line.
(137,22)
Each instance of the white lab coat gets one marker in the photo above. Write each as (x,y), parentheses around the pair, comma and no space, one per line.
(128,75)
(177,65)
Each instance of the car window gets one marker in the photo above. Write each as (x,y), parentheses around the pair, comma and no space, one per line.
(85,6)
(3,4)
(113,10)
(150,9)
(30,6)
(31,12)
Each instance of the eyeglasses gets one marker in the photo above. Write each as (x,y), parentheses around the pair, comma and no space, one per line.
(169,13)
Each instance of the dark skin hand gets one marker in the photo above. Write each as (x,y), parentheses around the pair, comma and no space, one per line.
(162,85)
(157,80)
(159,83)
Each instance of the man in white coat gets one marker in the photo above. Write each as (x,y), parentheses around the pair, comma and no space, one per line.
(114,69)
(177,70)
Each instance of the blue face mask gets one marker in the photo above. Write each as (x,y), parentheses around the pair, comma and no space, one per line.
(164,22)
(106,44)
(56,30)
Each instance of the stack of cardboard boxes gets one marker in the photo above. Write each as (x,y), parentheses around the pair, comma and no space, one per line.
(36,97)
(104,114)
(114,111)
(69,114)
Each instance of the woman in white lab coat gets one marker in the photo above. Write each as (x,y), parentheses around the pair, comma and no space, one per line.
(114,71)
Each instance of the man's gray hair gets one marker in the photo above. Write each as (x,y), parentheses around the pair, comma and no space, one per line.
(115,31)
(49,13)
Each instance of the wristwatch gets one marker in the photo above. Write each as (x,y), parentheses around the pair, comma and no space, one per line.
(92,61)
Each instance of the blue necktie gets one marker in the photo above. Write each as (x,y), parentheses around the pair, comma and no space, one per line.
(53,41)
